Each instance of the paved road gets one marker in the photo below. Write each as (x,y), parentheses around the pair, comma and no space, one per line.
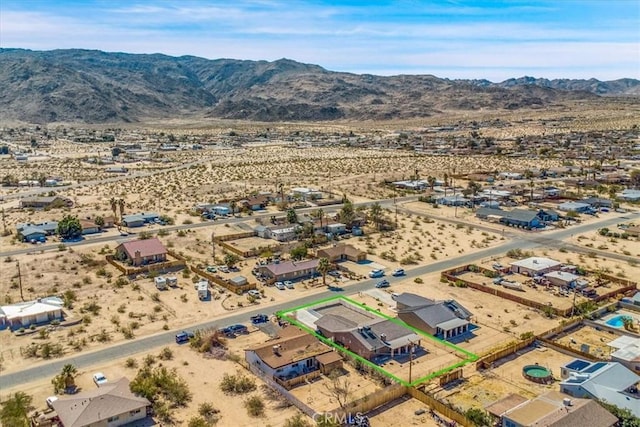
(127,348)
(328,210)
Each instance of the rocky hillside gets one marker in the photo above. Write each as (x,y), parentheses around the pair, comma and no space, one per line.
(98,87)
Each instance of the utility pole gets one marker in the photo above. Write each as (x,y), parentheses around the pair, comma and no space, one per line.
(4,223)
(213,246)
(410,360)
(20,280)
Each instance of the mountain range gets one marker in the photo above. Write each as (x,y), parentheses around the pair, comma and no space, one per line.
(89,86)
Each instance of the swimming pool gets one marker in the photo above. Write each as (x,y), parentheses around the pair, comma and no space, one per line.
(617,321)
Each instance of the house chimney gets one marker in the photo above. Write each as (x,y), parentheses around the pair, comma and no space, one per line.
(276,349)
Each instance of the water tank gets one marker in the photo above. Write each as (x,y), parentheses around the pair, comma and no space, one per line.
(567,402)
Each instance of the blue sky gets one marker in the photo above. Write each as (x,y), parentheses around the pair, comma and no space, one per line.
(455,38)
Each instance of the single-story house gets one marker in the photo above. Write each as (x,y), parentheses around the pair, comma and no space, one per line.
(141,252)
(110,405)
(33,234)
(283,234)
(455,200)
(48,202)
(24,314)
(562,278)
(377,337)
(138,220)
(289,270)
(548,215)
(133,221)
(535,266)
(255,203)
(89,227)
(443,319)
(608,381)
(578,207)
(552,409)
(515,218)
(627,352)
(306,193)
(418,185)
(336,228)
(629,195)
(598,202)
(294,353)
(341,253)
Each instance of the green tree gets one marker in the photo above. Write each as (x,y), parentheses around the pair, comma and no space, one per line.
(625,416)
(324,266)
(113,202)
(299,252)
(479,417)
(121,205)
(65,379)
(231,259)
(347,214)
(233,205)
(15,410)
(319,215)
(292,216)
(635,178)
(99,220)
(375,211)
(431,180)
(69,227)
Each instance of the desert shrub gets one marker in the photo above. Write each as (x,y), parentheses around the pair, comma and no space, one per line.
(255,406)
(166,354)
(237,384)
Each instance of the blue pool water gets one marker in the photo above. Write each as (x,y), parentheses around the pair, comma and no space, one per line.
(617,322)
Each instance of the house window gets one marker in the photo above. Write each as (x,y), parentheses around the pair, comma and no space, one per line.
(137,411)
(112,419)
(310,363)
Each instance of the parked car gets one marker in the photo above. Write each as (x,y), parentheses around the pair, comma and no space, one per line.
(398,272)
(254,293)
(280,285)
(211,268)
(288,284)
(376,273)
(334,273)
(50,401)
(259,318)
(224,269)
(382,284)
(183,336)
(99,379)
(233,330)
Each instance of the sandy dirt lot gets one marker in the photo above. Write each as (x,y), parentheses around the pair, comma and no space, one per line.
(203,376)
(482,389)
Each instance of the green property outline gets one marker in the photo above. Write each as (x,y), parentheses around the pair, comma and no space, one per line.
(471,357)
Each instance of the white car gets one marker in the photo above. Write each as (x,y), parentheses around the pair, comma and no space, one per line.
(99,379)
(50,401)
(288,284)
(254,293)
(280,285)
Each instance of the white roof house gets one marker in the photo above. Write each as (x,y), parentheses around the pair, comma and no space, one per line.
(535,265)
(609,381)
(33,312)
(627,352)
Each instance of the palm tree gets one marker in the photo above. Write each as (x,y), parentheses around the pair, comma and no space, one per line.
(324,266)
(121,205)
(69,373)
(431,180)
(319,214)
(114,206)
(15,410)
(233,205)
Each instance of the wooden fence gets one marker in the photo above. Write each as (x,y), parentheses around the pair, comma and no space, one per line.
(486,361)
(235,236)
(159,266)
(306,409)
(302,379)
(222,282)
(565,349)
(442,408)
(450,376)
(373,400)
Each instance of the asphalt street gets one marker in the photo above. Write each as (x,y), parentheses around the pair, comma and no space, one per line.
(49,369)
